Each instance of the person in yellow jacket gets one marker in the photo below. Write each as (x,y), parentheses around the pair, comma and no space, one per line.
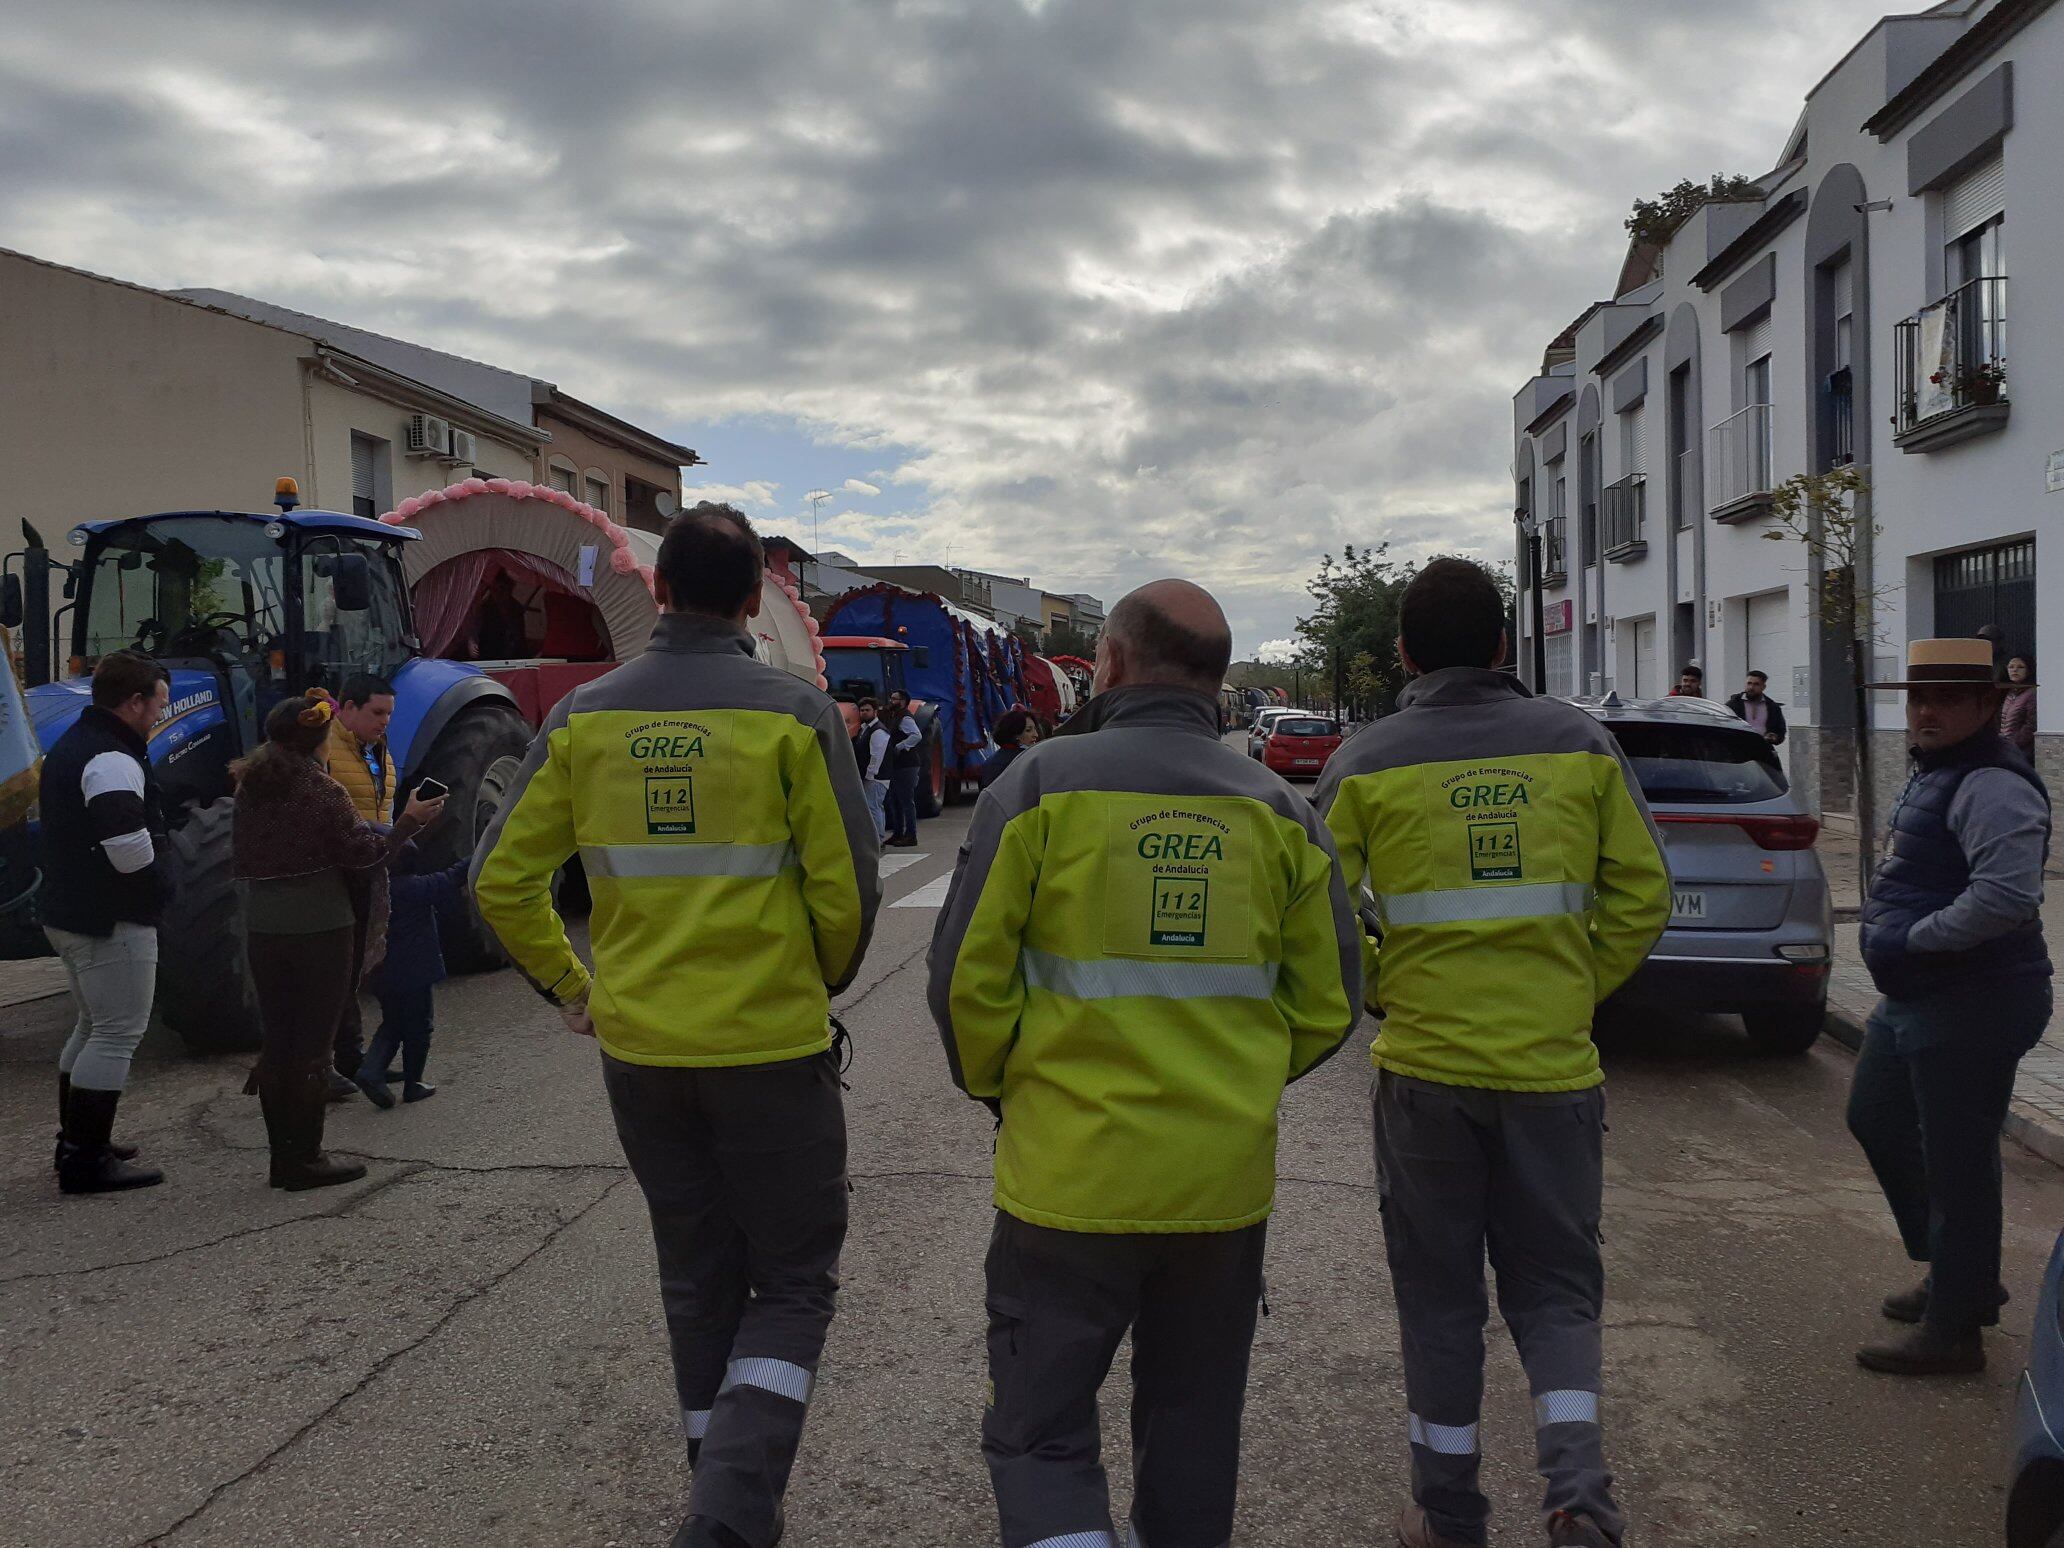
(356,757)
(1516,880)
(1145,940)
(716,808)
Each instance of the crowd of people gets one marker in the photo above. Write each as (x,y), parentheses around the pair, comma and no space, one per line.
(330,880)
(1146,939)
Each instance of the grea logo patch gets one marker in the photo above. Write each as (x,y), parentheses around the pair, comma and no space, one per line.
(669,752)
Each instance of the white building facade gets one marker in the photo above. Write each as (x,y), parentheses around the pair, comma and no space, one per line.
(1887,301)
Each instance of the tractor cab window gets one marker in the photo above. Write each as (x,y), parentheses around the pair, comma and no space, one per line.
(203,587)
(354,609)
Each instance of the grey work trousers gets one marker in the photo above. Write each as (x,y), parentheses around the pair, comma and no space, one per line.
(744,1173)
(1060,1303)
(114,978)
(1461,1169)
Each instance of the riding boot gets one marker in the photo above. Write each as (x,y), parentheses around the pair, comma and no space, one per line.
(119,1151)
(85,1161)
(307,1165)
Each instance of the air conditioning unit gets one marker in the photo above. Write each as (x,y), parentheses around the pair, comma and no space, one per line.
(429,436)
(465,446)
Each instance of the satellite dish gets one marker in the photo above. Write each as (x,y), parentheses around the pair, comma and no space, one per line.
(663,503)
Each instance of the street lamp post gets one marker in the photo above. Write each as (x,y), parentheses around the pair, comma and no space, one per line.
(1532,529)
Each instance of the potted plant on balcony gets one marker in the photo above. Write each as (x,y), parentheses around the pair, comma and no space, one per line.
(1980,384)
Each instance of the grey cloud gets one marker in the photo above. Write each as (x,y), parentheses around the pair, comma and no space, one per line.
(1212,283)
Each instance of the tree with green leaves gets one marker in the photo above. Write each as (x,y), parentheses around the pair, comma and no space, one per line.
(1654,221)
(1350,637)
(1828,515)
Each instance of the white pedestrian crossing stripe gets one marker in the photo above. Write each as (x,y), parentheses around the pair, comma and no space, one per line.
(930,895)
(891,864)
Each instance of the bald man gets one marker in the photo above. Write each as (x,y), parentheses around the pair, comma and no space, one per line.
(1146,939)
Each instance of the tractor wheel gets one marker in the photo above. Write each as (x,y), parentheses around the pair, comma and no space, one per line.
(476,758)
(931,791)
(205,993)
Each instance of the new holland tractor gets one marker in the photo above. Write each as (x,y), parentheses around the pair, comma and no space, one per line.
(243,609)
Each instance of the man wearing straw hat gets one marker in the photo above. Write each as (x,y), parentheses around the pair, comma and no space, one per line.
(1952,934)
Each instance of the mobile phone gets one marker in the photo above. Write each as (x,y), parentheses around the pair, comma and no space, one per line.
(432,790)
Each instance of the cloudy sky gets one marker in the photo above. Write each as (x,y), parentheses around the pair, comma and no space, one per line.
(1090,290)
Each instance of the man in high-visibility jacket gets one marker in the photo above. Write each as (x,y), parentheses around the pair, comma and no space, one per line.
(714,803)
(1517,881)
(1147,937)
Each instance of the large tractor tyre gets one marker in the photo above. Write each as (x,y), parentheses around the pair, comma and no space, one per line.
(205,993)
(476,758)
(931,790)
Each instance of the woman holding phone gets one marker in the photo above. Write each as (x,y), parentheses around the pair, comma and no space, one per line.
(311,869)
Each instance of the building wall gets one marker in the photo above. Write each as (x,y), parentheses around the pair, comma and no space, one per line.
(337,412)
(591,456)
(1984,491)
(117,401)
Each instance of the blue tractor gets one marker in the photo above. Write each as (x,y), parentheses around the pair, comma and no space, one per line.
(243,609)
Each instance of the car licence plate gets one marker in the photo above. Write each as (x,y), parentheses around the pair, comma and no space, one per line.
(1687,907)
(1309,763)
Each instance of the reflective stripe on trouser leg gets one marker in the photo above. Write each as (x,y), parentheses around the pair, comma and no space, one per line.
(780,1377)
(1565,1408)
(1447,1440)
(1079,1540)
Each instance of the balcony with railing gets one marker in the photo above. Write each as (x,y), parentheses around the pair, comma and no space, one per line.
(1950,369)
(1625,534)
(1741,465)
(1555,551)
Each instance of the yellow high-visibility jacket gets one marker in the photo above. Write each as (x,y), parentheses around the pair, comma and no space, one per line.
(715,806)
(1146,939)
(1515,872)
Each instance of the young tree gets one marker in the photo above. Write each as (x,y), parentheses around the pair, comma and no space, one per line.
(1828,515)
(1654,221)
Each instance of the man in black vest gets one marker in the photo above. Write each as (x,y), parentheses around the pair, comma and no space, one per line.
(103,888)
(1952,934)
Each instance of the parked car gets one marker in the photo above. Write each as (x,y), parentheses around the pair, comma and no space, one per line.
(1258,732)
(1751,922)
(2035,1504)
(1299,745)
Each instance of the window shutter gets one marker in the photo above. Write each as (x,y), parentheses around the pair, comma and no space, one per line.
(361,468)
(1755,342)
(1632,460)
(1974,198)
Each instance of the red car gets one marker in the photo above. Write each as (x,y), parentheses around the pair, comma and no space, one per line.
(1300,745)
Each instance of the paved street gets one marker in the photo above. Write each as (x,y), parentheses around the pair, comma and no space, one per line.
(466,1347)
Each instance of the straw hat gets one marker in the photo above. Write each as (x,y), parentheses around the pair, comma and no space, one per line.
(1932,663)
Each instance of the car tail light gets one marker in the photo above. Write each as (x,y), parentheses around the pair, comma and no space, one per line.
(1769,832)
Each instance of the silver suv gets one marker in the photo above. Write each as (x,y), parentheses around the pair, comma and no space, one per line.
(1751,923)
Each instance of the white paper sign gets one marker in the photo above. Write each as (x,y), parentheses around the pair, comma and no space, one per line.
(2055,479)
(587,564)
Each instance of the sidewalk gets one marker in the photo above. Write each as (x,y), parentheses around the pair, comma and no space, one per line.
(2036,1119)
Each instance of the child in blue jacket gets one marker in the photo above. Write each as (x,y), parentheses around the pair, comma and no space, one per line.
(406,979)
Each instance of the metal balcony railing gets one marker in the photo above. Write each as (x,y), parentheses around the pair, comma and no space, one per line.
(1741,461)
(1626,517)
(1555,551)
(1951,356)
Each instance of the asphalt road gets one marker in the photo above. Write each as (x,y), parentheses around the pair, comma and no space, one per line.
(466,1348)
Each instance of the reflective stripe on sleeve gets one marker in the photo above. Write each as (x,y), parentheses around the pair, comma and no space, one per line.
(1566,1408)
(779,1377)
(1119,978)
(623,861)
(1460,905)
(1449,1440)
